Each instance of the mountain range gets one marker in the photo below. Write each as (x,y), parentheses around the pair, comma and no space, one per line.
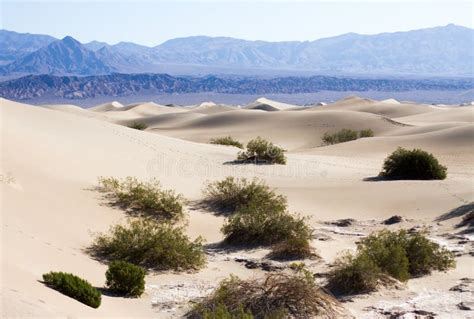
(83,87)
(440,51)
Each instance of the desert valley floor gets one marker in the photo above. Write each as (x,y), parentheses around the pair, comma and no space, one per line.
(52,156)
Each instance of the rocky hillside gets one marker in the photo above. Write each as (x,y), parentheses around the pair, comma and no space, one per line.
(73,87)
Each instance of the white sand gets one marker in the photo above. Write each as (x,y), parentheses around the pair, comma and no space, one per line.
(51,158)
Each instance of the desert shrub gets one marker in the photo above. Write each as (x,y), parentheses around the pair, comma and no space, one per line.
(387,250)
(232,193)
(150,244)
(353,274)
(228,140)
(277,295)
(138,126)
(144,197)
(366,133)
(344,135)
(262,151)
(403,255)
(425,255)
(259,216)
(398,254)
(293,248)
(412,164)
(125,278)
(256,224)
(74,287)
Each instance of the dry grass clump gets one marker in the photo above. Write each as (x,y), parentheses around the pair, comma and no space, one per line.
(262,151)
(394,253)
(345,135)
(366,133)
(138,126)
(277,295)
(412,164)
(228,141)
(150,244)
(232,193)
(147,198)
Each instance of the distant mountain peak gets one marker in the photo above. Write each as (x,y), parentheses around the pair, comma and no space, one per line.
(441,51)
(65,56)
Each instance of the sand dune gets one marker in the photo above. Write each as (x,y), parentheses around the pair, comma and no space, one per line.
(51,161)
(292,130)
(388,108)
(443,115)
(111,106)
(211,108)
(268,105)
(77,110)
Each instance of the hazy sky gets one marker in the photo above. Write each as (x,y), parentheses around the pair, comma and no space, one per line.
(153,22)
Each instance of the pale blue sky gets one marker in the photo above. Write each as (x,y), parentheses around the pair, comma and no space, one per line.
(153,22)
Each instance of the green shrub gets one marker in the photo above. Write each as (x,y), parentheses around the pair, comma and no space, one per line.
(366,133)
(232,193)
(125,278)
(145,197)
(256,224)
(228,140)
(138,126)
(398,254)
(277,295)
(412,164)
(425,255)
(259,216)
(403,255)
(387,250)
(74,287)
(353,275)
(262,151)
(153,245)
(344,135)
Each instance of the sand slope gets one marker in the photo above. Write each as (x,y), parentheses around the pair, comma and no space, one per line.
(51,160)
(265,104)
(388,108)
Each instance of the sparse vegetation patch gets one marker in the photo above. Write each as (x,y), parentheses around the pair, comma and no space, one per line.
(395,253)
(258,216)
(262,151)
(150,244)
(345,135)
(277,295)
(228,140)
(138,126)
(255,224)
(232,193)
(74,287)
(146,198)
